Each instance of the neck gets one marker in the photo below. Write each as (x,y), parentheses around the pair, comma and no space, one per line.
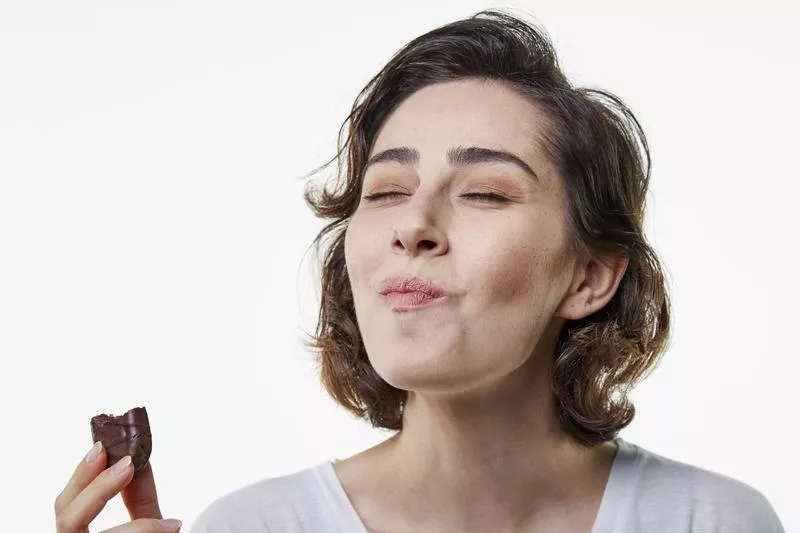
(491,460)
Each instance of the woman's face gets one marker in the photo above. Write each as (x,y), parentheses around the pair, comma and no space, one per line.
(505,264)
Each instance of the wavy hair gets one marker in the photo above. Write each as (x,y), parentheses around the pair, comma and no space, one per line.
(602,156)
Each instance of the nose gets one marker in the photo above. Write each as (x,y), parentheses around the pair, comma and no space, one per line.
(416,233)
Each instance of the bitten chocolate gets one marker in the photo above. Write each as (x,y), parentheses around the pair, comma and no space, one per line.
(127,434)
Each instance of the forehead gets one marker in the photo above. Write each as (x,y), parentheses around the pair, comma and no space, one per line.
(468,112)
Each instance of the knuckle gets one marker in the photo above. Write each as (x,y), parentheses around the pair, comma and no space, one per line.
(144,506)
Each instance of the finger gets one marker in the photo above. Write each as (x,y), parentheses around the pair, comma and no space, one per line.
(91,500)
(147,525)
(90,466)
(140,495)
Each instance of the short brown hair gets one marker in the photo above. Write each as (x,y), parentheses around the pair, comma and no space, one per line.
(601,154)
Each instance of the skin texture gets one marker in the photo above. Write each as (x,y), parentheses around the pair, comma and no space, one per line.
(480,449)
(94,483)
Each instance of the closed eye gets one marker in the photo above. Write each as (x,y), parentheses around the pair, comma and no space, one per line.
(483,196)
(487,196)
(379,195)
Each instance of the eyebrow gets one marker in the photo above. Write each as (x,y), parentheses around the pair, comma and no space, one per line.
(456,156)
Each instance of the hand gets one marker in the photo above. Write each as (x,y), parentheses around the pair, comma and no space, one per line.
(92,485)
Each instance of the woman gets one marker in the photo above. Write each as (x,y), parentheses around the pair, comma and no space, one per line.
(488,293)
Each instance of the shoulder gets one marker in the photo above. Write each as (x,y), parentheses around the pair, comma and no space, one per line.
(268,505)
(709,500)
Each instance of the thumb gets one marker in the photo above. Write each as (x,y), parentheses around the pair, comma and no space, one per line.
(140,496)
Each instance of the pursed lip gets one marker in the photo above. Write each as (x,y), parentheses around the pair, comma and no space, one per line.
(406,283)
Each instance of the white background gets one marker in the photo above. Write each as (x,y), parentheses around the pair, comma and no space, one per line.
(153,235)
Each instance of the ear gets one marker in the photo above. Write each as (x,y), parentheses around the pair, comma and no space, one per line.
(594,284)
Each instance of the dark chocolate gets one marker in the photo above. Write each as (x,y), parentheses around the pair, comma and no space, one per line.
(127,434)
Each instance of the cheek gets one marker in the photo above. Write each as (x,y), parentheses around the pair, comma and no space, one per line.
(513,275)
(522,266)
(362,253)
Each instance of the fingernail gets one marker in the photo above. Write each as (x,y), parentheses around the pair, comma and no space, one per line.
(121,465)
(170,525)
(94,452)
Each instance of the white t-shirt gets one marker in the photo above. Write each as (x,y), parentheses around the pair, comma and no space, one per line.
(646,493)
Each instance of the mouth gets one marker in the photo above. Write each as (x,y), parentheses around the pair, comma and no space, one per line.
(407,292)
(410,300)
(408,283)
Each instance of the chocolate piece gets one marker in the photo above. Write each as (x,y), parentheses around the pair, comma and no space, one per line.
(127,434)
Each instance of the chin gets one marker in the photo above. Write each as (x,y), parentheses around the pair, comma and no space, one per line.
(426,372)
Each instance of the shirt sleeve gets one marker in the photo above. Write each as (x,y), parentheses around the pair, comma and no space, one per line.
(754,513)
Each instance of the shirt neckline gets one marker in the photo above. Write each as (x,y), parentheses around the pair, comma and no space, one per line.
(616,491)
